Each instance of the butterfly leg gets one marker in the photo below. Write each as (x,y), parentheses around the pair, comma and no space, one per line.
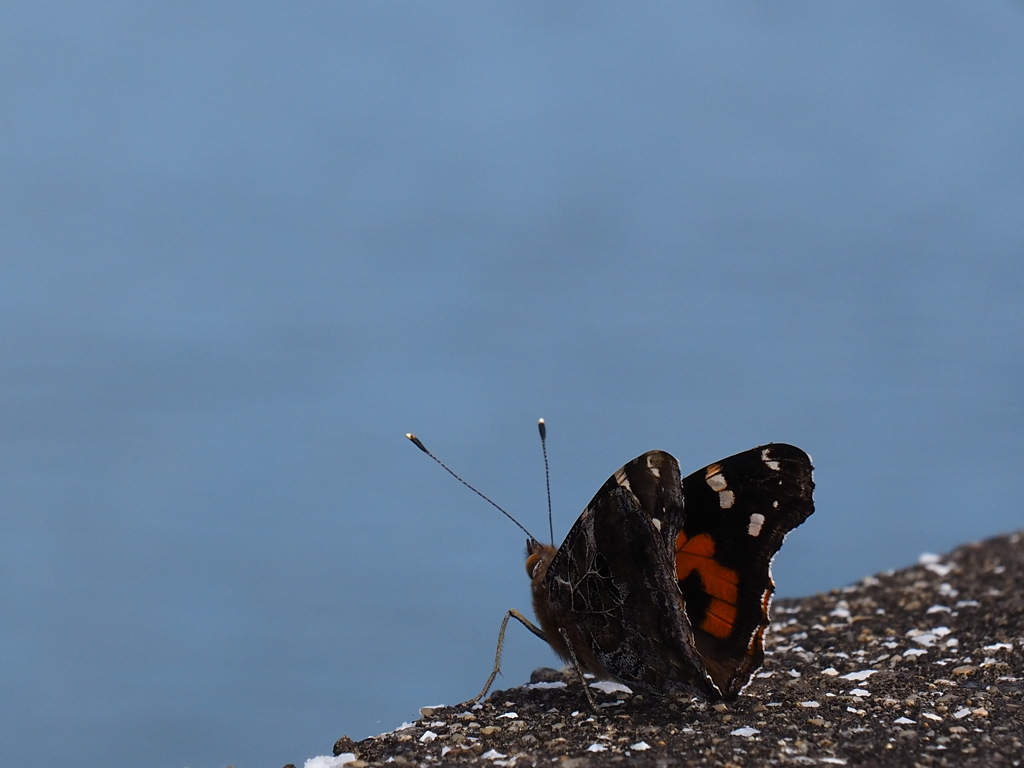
(512,613)
(579,670)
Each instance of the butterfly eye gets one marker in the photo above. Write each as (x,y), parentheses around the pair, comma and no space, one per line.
(532,563)
(538,558)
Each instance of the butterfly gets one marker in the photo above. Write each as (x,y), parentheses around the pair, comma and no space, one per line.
(664,583)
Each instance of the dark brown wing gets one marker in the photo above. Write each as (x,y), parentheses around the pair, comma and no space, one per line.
(737,513)
(612,585)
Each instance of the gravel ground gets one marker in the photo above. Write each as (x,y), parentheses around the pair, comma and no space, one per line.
(918,667)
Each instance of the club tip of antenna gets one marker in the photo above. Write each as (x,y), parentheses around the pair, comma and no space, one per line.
(543,429)
(416,441)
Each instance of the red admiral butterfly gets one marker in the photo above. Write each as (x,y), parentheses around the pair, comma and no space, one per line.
(664,582)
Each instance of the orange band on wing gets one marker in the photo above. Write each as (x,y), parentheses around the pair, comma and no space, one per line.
(720,583)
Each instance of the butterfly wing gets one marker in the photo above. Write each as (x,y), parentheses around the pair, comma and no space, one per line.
(610,593)
(736,514)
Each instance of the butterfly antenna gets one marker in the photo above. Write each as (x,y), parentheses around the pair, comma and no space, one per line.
(416,441)
(547,473)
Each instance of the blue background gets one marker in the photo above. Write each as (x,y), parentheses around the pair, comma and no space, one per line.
(244,247)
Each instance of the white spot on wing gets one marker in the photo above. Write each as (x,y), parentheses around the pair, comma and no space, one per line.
(620,478)
(657,523)
(754,526)
(655,470)
(768,461)
(726,499)
(716,482)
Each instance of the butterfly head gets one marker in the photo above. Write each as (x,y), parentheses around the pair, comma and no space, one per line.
(538,558)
